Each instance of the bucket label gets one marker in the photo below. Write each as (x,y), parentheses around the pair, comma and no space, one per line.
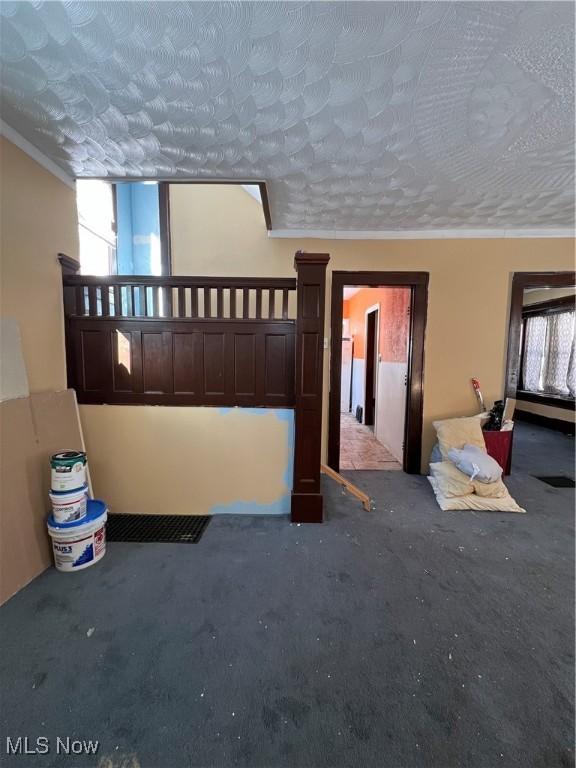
(68,478)
(85,557)
(70,469)
(99,541)
(69,555)
(65,510)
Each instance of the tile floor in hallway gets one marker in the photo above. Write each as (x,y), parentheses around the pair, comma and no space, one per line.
(359,449)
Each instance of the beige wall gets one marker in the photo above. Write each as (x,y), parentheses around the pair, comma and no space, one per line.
(219,230)
(38,220)
(194,461)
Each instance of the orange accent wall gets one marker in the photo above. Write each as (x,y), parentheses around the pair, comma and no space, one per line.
(345,309)
(394,321)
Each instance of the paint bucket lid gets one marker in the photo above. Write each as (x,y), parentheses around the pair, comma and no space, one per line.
(82,489)
(94,509)
(68,458)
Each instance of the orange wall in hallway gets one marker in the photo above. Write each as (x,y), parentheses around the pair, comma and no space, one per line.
(394,304)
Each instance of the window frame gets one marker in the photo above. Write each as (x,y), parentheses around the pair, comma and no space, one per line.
(164,206)
(521,281)
(543,309)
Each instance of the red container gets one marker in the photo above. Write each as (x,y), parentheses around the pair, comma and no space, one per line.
(499,446)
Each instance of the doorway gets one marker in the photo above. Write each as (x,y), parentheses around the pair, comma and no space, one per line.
(372,324)
(364,409)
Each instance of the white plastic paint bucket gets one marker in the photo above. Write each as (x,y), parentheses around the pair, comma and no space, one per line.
(82,543)
(67,507)
(68,470)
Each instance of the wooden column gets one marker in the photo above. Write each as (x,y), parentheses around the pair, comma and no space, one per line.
(311,286)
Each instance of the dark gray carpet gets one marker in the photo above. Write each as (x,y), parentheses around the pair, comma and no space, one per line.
(398,638)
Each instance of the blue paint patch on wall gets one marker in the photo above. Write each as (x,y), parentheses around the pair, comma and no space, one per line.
(288,417)
(280,506)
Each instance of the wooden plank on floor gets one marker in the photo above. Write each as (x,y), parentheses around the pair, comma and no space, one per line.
(350,487)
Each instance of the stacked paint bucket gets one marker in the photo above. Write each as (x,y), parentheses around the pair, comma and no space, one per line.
(77,525)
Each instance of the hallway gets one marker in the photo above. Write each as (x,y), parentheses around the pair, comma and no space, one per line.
(359,449)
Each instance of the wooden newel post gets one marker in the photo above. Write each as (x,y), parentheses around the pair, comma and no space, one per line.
(69,267)
(311,288)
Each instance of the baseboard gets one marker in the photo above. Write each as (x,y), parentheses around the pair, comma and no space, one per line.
(306,508)
(567,427)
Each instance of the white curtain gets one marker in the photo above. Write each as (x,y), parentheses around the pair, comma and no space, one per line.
(550,354)
(534,350)
(571,378)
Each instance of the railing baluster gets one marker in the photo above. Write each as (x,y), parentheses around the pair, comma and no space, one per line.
(168,304)
(271,303)
(194,302)
(105,294)
(233,303)
(181,302)
(245,303)
(258,303)
(79,300)
(92,305)
(220,302)
(117,301)
(207,302)
(284,303)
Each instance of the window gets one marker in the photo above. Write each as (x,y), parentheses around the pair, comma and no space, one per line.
(123,228)
(138,228)
(549,355)
(96,227)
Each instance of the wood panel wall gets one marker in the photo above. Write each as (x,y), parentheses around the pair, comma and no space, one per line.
(134,340)
(166,362)
(206,341)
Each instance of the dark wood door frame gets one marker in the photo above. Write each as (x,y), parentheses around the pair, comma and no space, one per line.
(371,371)
(418,283)
(521,281)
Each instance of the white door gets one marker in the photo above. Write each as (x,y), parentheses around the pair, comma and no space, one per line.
(346,375)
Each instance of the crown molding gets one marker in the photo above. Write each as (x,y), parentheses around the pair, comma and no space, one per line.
(319,234)
(33,152)
(419,234)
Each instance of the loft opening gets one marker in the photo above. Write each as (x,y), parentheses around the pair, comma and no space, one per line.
(125,228)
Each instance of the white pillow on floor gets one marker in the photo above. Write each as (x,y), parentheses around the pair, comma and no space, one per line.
(474,502)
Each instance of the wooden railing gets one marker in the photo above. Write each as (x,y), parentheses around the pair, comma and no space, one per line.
(180,340)
(206,341)
(207,298)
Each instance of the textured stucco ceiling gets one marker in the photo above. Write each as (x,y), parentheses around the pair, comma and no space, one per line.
(360,116)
